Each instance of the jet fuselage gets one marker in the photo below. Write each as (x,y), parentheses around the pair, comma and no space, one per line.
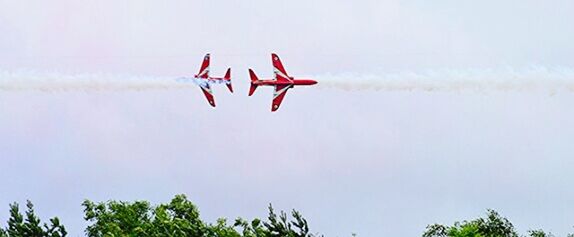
(294,82)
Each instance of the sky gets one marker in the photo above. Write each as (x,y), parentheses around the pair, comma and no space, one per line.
(376,159)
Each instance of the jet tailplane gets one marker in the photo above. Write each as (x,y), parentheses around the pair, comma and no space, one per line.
(227,79)
(253,80)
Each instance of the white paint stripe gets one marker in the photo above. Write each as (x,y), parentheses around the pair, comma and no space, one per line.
(208,89)
(280,73)
(278,93)
(204,72)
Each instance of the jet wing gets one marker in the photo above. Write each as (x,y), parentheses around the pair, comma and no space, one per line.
(204,70)
(208,94)
(278,95)
(278,69)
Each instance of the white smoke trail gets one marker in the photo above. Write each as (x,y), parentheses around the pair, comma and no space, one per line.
(507,79)
(54,81)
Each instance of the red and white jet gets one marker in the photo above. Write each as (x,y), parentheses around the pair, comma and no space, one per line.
(203,80)
(282,82)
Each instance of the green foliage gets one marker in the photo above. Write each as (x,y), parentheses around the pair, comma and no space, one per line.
(492,226)
(465,230)
(221,229)
(116,218)
(281,227)
(495,226)
(55,229)
(278,226)
(539,233)
(30,225)
(180,218)
(254,228)
(16,222)
(436,230)
(177,218)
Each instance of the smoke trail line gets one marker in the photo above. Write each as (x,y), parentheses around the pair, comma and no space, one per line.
(52,81)
(507,79)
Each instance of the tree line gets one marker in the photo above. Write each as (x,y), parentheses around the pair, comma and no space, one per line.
(180,218)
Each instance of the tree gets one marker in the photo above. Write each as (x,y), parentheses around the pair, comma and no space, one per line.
(16,222)
(255,228)
(221,229)
(276,226)
(436,230)
(495,226)
(180,217)
(30,226)
(492,226)
(539,233)
(465,230)
(116,218)
(281,227)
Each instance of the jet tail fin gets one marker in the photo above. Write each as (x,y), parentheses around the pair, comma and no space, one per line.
(227,79)
(253,79)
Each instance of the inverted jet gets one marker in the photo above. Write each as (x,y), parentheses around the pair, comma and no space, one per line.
(204,81)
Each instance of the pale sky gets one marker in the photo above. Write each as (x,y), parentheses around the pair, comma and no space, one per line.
(371,162)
